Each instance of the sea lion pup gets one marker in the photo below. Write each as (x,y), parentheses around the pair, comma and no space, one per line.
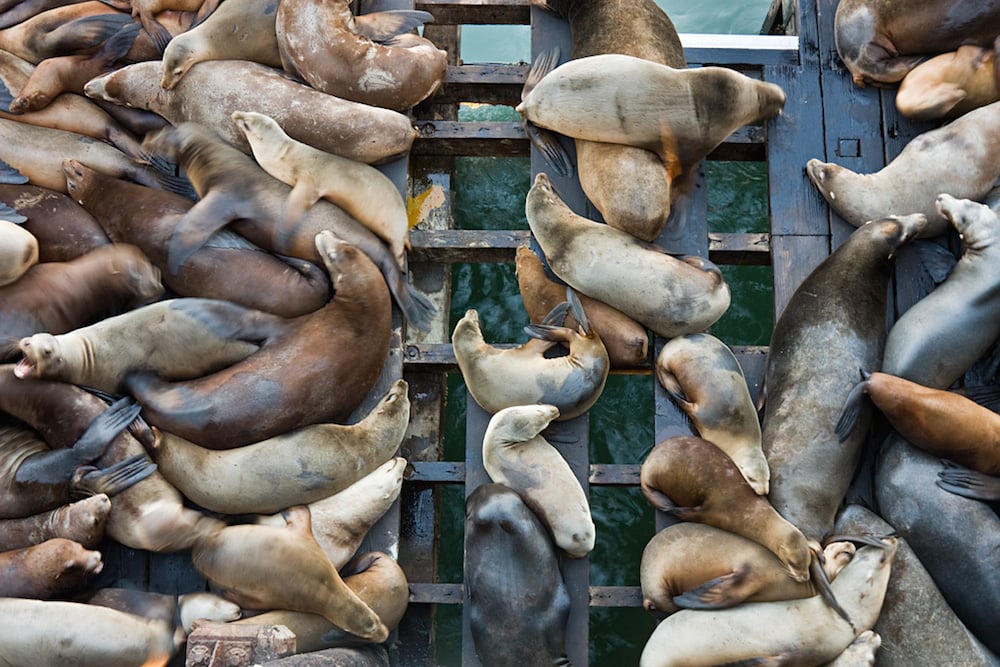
(62,296)
(371,59)
(178,339)
(619,99)
(518,603)
(641,203)
(361,190)
(64,229)
(800,632)
(696,566)
(670,295)
(949,85)
(704,377)
(500,378)
(833,325)
(82,521)
(515,454)
(233,186)
(626,341)
(54,632)
(240,30)
(338,351)
(939,422)
(294,468)
(63,30)
(943,334)
(266,567)
(54,568)
(360,132)
(18,251)
(374,577)
(147,218)
(912,180)
(881,41)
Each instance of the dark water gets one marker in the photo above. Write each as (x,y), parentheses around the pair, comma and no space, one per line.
(489,194)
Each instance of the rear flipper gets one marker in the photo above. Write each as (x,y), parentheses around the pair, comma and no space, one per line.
(9,174)
(10,214)
(852,408)
(547,142)
(718,593)
(114,479)
(105,428)
(822,583)
(383,26)
(969,483)
(84,33)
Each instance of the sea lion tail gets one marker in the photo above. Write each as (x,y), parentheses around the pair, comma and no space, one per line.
(852,408)
(10,174)
(9,214)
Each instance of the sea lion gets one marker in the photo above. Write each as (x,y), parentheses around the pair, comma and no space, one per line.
(693,480)
(54,632)
(338,351)
(294,468)
(671,296)
(795,632)
(178,339)
(881,41)
(18,251)
(374,577)
(619,99)
(949,85)
(371,59)
(54,568)
(82,521)
(833,324)
(233,186)
(266,567)
(148,217)
(641,203)
(626,341)
(703,376)
(956,158)
(361,190)
(860,652)
(516,454)
(13,12)
(72,28)
(356,131)
(500,378)
(696,566)
(61,296)
(943,334)
(969,483)
(507,549)
(64,230)
(147,12)
(241,30)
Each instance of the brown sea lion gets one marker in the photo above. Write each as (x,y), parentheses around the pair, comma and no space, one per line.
(148,217)
(371,59)
(516,454)
(13,12)
(881,40)
(147,11)
(266,567)
(949,85)
(672,296)
(360,132)
(54,568)
(626,341)
(833,325)
(18,251)
(63,228)
(791,632)
(338,351)
(702,374)
(302,466)
(82,521)
(61,296)
(72,28)
(956,158)
(499,378)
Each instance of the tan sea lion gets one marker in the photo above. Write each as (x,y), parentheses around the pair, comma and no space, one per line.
(515,454)
(949,85)
(672,296)
(338,352)
(82,521)
(500,378)
(626,341)
(704,377)
(240,30)
(302,466)
(360,132)
(795,632)
(860,652)
(956,158)
(178,339)
(54,568)
(64,230)
(266,567)
(18,251)
(370,59)
(361,190)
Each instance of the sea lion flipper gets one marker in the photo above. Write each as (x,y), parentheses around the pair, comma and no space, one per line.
(105,428)
(658,499)
(851,410)
(10,174)
(115,478)
(229,320)
(202,220)
(419,309)
(557,315)
(549,333)
(935,260)
(6,97)
(544,63)
(576,308)
(822,584)
(548,143)
(160,35)
(85,33)
(383,26)
(302,197)
(718,593)
(9,214)
(969,484)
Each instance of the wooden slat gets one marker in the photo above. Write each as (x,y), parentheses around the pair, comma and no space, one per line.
(474,12)
(599,596)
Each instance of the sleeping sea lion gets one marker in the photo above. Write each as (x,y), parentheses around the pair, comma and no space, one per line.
(82,521)
(64,229)
(54,568)
(949,85)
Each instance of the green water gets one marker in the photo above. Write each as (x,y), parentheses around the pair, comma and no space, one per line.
(489,194)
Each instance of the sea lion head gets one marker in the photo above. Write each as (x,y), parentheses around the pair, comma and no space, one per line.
(973,221)
(794,551)
(106,87)
(520,423)
(897,230)
(177,60)
(257,127)
(40,356)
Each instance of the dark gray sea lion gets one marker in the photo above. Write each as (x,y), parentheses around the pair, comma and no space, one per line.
(82,521)
(63,228)
(833,325)
(54,568)
(508,550)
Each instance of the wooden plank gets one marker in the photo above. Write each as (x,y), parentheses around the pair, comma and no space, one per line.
(794,258)
(615,596)
(731,50)
(486,12)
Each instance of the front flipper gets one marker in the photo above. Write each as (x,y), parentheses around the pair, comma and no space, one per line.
(114,479)
(547,142)
(105,428)
(852,408)
(818,575)
(10,174)
(718,593)
(160,35)
(84,33)
(302,198)
(969,483)
(10,214)
(383,26)
(212,213)
(658,499)
(231,321)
